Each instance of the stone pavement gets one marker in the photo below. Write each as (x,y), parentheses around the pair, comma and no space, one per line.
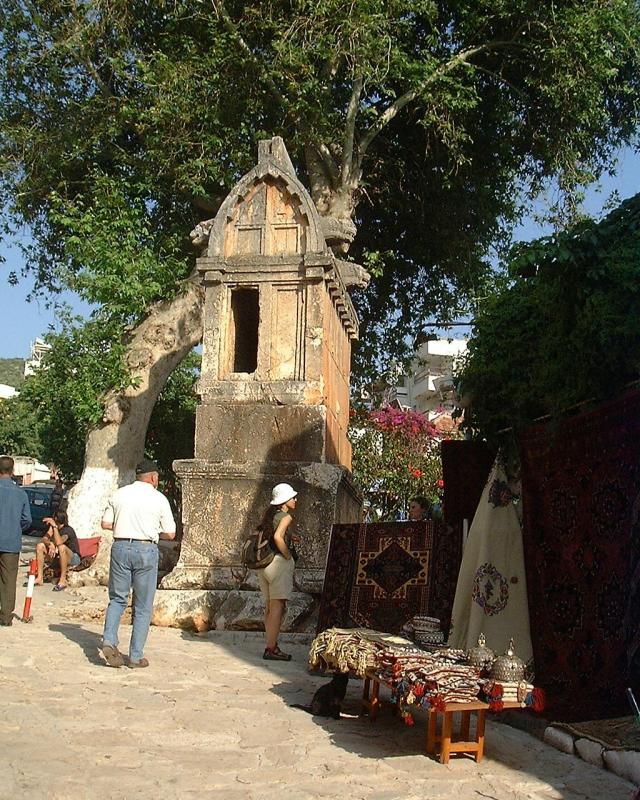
(210,719)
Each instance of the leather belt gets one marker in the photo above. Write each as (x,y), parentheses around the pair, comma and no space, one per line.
(139,541)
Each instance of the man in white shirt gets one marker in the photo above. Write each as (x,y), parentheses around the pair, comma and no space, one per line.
(138,515)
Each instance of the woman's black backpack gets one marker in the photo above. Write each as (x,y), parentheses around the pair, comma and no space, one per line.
(257,551)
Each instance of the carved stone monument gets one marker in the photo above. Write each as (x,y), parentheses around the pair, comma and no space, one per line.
(274,386)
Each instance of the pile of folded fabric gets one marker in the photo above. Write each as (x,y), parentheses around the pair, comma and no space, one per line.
(354,650)
(416,677)
(429,680)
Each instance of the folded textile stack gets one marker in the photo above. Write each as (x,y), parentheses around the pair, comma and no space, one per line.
(354,649)
(430,679)
(515,692)
(416,677)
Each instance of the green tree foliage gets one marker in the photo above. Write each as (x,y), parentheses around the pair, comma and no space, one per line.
(396,456)
(563,329)
(12,371)
(426,116)
(172,425)
(20,428)
(124,122)
(83,363)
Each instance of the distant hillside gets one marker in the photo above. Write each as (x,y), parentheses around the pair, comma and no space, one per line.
(12,371)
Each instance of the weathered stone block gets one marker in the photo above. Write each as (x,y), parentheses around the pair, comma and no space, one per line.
(222,504)
(202,610)
(188,609)
(559,739)
(589,751)
(251,432)
(626,764)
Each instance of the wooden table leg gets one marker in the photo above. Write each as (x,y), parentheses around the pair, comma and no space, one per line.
(480,735)
(447,720)
(431,731)
(465,719)
(375,700)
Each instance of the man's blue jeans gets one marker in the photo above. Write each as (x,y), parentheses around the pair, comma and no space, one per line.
(134,565)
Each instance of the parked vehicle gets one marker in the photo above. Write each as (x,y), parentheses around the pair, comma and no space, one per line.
(41,504)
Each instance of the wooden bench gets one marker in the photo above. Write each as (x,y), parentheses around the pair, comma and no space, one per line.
(442,740)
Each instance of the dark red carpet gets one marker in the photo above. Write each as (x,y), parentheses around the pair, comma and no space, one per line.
(581,502)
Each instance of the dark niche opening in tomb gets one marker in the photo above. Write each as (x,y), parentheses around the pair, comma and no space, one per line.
(245,313)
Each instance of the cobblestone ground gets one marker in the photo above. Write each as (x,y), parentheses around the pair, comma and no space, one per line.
(210,719)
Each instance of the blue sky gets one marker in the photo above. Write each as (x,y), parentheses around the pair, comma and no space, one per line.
(24,321)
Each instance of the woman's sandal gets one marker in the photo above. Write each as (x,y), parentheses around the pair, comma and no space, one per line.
(275,654)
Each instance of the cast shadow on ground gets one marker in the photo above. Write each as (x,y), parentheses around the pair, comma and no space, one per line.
(88,641)
(389,738)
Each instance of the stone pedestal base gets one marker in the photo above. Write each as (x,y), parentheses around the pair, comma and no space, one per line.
(202,610)
(235,577)
(223,504)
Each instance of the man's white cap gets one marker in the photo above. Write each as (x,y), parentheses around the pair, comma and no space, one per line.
(282,493)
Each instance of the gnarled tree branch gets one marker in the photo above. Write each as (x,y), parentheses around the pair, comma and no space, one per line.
(350,128)
(463,57)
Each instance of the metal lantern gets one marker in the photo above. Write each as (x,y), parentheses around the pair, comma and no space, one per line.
(481,656)
(508,667)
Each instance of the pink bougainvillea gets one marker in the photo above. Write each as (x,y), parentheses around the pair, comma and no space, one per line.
(396,456)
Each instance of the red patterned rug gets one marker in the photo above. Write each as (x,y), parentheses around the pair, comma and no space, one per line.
(581,503)
(378,576)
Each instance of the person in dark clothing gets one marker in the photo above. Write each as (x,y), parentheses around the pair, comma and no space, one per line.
(60,540)
(15,517)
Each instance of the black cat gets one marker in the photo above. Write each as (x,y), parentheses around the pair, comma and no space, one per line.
(327,701)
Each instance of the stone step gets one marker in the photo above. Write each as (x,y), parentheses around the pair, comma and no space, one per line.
(228,609)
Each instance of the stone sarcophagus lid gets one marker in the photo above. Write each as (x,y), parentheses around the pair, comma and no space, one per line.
(274,386)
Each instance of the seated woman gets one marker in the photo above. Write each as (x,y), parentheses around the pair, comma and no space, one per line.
(59,541)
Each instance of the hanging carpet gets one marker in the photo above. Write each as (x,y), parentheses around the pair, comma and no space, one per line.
(465,468)
(377,576)
(491,595)
(581,503)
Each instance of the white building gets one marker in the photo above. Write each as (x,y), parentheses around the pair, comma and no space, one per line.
(429,386)
(38,349)
(30,470)
(7,391)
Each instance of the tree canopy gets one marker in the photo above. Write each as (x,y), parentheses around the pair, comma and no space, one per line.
(424,123)
(564,329)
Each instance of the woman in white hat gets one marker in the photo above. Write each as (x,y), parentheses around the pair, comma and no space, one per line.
(276,580)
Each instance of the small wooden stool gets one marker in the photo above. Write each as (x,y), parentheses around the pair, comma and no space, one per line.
(372,703)
(474,747)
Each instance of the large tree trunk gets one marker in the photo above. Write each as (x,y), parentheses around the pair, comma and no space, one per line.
(169,332)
